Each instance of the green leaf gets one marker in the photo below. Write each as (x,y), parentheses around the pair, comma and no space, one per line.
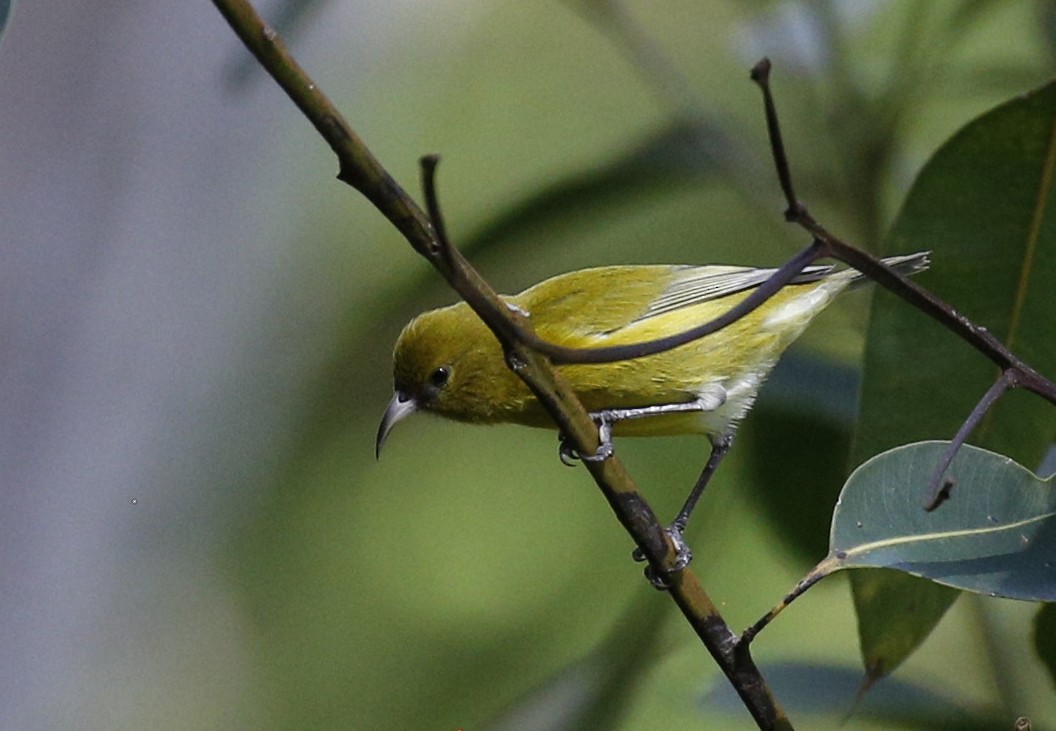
(801,423)
(886,641)
(996,535)
(903,612)
(1045,638)
(983,206)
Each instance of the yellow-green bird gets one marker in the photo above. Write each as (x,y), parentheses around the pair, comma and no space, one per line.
(448,362)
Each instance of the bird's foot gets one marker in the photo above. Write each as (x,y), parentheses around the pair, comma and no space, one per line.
(570,455)
(683,557)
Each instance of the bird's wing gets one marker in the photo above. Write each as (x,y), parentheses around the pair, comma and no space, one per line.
(577,308)
(696,285)
(604,305)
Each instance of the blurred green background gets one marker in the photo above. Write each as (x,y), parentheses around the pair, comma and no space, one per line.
(198,325)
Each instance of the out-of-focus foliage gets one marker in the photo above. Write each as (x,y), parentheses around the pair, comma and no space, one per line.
(198,323)
(1045,638)
(5,12)
(983,205)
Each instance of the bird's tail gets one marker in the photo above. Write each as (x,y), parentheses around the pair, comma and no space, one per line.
(908,264)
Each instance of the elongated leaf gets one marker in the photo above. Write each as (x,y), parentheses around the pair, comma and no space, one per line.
(5,14)
(1045,638)
(903,610)
(983,206)
(995,536)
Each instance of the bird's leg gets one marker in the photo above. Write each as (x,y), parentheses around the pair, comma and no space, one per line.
(607,417)
(708,401)
(719,447)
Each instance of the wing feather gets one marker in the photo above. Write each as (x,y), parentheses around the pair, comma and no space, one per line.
(696,285)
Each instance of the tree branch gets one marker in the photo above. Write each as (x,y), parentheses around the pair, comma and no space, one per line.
(978,337)
(1014,371)
(360,169)
(939,489)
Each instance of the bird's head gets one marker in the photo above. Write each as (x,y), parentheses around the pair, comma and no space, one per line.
(447,362)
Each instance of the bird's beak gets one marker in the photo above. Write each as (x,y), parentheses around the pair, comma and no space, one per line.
(401,406)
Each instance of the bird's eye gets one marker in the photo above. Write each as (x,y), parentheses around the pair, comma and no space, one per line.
(439,377)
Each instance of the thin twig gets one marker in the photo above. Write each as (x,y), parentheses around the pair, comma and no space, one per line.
(939,489)
(816,575)
(760,74)
(428,164)
(1014,372)
(978,337)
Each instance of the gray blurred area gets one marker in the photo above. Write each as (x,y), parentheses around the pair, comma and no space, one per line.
(139,394)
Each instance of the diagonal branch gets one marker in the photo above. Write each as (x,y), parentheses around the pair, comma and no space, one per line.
(975,335)
(360,169)
(1014,371)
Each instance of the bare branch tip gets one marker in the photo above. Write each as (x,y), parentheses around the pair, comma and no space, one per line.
(798,212)
(745,640)
(760,73)
(941,496)
(441,243)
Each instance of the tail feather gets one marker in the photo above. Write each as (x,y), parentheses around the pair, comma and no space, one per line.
(792,316)
(907,264)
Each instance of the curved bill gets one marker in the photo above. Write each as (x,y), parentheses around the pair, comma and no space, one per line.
(401,406)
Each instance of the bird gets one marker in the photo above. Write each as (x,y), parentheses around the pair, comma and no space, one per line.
(447,362)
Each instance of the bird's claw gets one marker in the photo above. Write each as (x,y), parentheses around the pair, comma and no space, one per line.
(683,557)
(569,455)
